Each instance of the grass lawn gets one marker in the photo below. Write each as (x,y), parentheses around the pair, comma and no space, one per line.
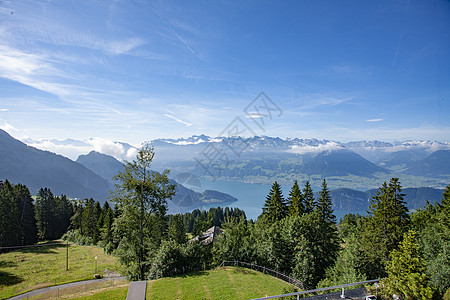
(223,283)
(33,268)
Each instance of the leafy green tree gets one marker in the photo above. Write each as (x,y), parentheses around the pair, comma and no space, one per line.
(275,207)
(406,271)
(140,193)
(234,243)
(173,259)
(296,201)
(384,228)
(308,197)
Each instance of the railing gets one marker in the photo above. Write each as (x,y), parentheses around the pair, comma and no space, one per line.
(264,270)
(319,290)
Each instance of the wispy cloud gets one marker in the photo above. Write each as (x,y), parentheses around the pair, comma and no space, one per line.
(374,120)
(3,109)
(255,115)
(178,120)
(175,33)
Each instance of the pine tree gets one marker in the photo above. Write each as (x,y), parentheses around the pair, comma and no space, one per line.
(384,228)
(275,207)
(296,201)
(97,222)
(45,204)
(9,216)
(308,197)
(176,230)
(324,205)
(62,214)
(406,271)
(27,221)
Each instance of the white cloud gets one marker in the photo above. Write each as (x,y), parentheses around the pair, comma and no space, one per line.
(329,146)
(8,128)
(3,109)
(74,148)
(178,120)
(255,115)
(374,120)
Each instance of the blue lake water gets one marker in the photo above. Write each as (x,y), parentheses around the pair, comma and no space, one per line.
(251,196)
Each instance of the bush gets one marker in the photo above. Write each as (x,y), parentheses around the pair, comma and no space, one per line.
(74,236)
(173,259)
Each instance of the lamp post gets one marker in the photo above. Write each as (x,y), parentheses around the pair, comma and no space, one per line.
(96,265)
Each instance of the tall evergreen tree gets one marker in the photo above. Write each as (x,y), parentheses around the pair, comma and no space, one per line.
(27,220)
(9,216)
(45,204)
(324,204)
(308,198)
(296,201)
(97,222)
(275,207)
(62,214)
(384,228)
(87,219)
(176,230)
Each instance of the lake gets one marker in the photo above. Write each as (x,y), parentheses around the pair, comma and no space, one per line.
(251,196)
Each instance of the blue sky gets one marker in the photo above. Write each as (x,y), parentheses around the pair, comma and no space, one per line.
(138,70)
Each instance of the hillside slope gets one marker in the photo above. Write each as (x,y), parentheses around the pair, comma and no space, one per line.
(35,168)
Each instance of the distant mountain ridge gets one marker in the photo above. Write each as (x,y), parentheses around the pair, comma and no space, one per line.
(262,159)
(35,168)
(353,200)
(184,198)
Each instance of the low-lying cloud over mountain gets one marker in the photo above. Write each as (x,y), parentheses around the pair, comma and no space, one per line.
(74,148)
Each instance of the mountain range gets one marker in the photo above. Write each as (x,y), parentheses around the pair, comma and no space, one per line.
(89,176)
(353,170)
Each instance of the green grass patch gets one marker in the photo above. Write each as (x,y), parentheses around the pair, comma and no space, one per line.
(223,283)
(33,268)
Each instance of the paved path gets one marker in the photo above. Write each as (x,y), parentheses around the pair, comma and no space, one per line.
(137,290)
(62,286)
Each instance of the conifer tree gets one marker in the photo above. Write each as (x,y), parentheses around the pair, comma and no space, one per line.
(275,207)
(296,201)
(308,197)
(45,204)
(384,228)
(9,216)
(406,271)
(176,230)
(324,205)
(27,220)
